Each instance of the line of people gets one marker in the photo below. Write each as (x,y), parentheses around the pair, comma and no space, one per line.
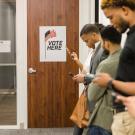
(111,100)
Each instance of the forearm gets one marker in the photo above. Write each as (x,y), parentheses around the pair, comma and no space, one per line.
(80,65)
(125,87)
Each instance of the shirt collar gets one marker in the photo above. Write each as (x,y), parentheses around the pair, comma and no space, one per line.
(116,51)
(97,44)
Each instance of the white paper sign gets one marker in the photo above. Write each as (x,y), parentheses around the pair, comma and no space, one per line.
(5,46)
(52,43)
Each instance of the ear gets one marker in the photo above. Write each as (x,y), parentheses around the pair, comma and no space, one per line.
(125,10)
(107,44)
(94,35)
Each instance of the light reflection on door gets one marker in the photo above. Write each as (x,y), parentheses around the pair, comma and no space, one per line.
(8,62)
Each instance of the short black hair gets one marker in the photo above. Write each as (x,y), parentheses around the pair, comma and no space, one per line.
(89,28)
(100,26)
(111,34)
(118,3)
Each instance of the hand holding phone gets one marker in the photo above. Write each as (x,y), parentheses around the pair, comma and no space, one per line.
(72,54)
(71,74)
(129,103)
(68,51)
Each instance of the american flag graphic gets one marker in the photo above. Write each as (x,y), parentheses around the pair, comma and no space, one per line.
(50,34)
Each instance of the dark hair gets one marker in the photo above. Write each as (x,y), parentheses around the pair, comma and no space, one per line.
(111,34)
(99,26)
(89,28)
(118,3)
(47,33)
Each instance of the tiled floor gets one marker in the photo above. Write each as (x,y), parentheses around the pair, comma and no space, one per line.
(53,131)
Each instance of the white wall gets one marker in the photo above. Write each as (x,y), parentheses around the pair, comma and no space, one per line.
(86,15)
(102,18)
(21,41)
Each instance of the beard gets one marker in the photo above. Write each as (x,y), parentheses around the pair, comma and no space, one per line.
(106,52)
(123,25)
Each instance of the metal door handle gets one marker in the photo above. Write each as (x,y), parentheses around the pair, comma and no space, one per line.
(31,70)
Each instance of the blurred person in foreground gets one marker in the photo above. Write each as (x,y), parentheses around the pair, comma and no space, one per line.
(122,16)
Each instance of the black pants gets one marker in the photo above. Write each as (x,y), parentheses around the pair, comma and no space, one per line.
(77,130)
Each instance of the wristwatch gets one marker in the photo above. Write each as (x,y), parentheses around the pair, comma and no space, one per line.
(111,88)
(109,84)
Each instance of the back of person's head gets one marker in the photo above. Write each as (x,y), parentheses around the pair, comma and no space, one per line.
(100,26)
(118,3)
(89,28)
(109,33)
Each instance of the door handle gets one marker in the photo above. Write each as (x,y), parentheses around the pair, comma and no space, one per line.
(31,70)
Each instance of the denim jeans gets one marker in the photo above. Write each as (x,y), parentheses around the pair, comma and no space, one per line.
(95,130)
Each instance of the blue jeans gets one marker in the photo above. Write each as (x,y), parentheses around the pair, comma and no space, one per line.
(95,130)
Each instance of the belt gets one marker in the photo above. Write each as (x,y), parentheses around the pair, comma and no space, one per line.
(118,110)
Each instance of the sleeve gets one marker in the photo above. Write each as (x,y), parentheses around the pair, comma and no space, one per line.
(88,78)
(94,91)
(84,70)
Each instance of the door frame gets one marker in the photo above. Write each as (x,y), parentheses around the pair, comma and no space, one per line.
(21,64)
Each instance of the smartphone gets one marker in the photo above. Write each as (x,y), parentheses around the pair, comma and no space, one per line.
(71,74)
(113,93)
(70,51)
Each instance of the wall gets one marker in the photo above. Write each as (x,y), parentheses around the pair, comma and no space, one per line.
(21,41)
(86,15)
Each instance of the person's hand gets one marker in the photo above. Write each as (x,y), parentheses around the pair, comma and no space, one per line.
(129,102)
(73,55)
(68,51)
(79,78)
(102,79)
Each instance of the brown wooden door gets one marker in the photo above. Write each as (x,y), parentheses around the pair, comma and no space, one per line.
(52,94)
